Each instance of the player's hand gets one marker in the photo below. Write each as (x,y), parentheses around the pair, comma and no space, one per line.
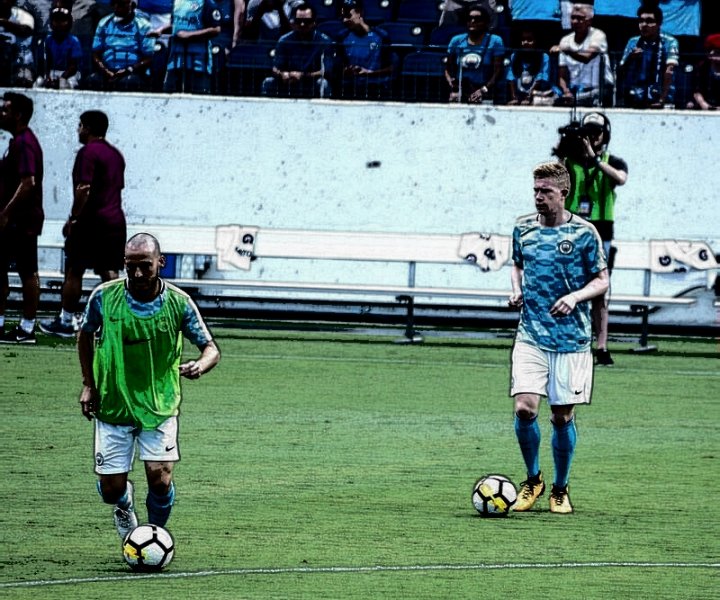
(191,369)
(515,300)
(88,402)
(564,306)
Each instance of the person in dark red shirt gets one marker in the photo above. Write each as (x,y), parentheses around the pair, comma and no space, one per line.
(21,214)
(95,231)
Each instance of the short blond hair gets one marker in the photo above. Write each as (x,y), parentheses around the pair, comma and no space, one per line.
(555,171)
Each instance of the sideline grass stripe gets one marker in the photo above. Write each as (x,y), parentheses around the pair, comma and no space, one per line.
(361,569)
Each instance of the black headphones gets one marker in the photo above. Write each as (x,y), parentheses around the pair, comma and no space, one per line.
(605,126)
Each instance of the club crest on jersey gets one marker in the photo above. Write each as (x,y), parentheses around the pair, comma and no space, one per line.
(565,247)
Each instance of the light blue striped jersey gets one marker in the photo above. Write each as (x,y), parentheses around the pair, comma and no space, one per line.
(555,261)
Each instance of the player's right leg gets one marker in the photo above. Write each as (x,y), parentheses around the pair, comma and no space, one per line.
(114,450)
(528,385)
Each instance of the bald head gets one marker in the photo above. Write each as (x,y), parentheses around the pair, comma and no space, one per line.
(143,241)
(143,263)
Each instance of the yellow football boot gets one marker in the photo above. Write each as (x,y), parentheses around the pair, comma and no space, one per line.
(530,491)
(560,501)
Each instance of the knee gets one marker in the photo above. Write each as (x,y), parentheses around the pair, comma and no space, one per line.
(111,490)
(159,481)
(526,407)
(561,418)
(525,414)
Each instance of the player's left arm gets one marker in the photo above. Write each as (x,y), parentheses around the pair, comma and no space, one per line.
(195,329)
(597,286)
(209,358)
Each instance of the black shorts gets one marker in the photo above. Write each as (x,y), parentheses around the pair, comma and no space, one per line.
(18,252)
(99,248)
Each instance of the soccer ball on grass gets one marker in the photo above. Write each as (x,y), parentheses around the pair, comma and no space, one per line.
(148,548)
(493,495)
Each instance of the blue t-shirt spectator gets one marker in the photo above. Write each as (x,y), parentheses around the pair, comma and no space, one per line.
(644,72)
(123,44)
(192,15)
(371,51)
(60,51)
(529,71)
(476,62)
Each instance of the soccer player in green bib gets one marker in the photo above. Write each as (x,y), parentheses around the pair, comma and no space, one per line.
(131,378)
(558,267)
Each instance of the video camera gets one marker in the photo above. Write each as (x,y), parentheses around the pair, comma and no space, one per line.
(571,145)
(571,140)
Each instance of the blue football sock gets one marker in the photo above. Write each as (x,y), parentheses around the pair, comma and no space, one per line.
(564,438)
(528,436)
(159,507)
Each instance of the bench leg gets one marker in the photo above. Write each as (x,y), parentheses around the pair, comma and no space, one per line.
(645,322)
(644,326)
(411,336)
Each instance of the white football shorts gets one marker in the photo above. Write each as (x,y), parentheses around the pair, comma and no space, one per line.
(115,445)
(564,377)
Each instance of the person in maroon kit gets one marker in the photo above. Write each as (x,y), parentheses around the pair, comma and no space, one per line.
(21,214)
(95,231)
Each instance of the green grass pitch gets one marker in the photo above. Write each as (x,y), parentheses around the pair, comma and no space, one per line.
(339,465)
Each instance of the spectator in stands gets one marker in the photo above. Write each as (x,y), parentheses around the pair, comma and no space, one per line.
(122,50)
(529,73)
(190,63)
(95,230)
(21,214)
(267,19)
(585,74)
(302,58)
(474,67)
(63,53)
(648,63)
(706,94)
(540,16)
(365,55)
(594,175)
(17,61)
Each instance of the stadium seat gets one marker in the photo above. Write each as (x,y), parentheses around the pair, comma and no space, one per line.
(404,36)
(379,11)
(325,10)
(440,36)
(422,77)
(247,65)
(684,84)
(420,11)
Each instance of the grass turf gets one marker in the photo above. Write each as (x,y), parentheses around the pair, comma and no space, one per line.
(321,465)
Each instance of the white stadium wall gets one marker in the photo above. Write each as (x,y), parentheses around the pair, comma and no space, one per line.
(392,167)
(330,165)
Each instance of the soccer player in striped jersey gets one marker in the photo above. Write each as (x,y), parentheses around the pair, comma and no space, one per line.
(558,267)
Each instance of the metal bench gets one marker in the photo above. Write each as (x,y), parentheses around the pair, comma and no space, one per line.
(233,259)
